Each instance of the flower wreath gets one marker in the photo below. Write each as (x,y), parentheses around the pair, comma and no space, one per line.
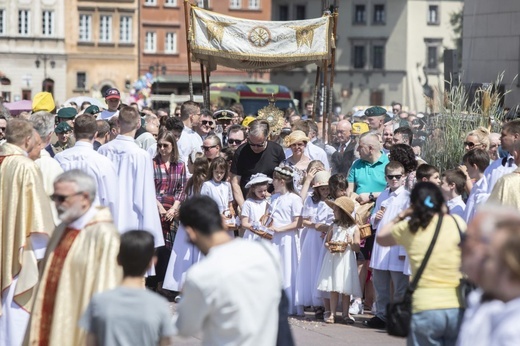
(284,172)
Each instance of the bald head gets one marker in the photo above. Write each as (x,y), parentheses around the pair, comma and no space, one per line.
(343,131)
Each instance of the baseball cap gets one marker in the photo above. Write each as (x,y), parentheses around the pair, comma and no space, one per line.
(112,93)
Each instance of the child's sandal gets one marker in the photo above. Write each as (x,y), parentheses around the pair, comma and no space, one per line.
(348,319)
(328,317)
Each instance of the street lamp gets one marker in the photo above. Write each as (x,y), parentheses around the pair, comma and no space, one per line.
(154,69)
(44,58)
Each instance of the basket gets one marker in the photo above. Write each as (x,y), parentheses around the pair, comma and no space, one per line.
(365,231)
(337,246)
(261,234)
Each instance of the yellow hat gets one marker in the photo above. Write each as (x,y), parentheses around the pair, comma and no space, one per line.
(247,120)
(43,101)
(359,128)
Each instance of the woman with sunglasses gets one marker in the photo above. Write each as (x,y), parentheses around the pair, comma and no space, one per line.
(436,307)
(170,182)
(477,139)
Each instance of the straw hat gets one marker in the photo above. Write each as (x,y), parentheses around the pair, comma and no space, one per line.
(295,137)
(344,203)
(257,179)
(321,179)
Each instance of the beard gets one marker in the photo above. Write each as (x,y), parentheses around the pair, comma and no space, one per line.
(68,215)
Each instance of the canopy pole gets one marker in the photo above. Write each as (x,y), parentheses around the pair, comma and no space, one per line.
(206,95)
(332,68)
(188,51)
(324,97)
(315,96)
(203,83)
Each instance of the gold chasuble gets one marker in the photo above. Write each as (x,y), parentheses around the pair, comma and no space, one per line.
(507,190)
(77,265)
(25,211)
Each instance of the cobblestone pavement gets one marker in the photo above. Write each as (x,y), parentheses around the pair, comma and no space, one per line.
(307,331)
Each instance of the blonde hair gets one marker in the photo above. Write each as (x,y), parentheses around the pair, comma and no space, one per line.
(482,135)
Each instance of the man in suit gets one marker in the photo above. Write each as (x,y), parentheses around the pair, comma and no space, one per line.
(342,158)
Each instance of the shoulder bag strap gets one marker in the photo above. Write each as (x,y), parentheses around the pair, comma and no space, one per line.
(415,281)
(458,227)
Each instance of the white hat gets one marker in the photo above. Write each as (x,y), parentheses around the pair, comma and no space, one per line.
(257,179)
(321,179)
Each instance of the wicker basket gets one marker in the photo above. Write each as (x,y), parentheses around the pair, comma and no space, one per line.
(337,246)
(365,231)
(261,234)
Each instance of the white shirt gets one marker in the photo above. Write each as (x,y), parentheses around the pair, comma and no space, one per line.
(456,206)
(146,140)
(387,258)
(504,325)
(219,192)
(477,196)
(496,170)
(232,296)
(82,156)
(137,207)
(189,141)
(313,152)
(284,208)
(106,114)
(253,209)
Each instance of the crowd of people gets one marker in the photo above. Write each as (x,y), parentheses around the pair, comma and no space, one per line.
(228,215)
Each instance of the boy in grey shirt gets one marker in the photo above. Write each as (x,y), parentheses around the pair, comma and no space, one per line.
(130,314)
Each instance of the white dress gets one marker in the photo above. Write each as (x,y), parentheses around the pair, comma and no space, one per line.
(221,193)
(311,255)
(254,209)
(339,270)
(284,208)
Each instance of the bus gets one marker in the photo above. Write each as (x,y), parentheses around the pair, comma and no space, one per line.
(253,96)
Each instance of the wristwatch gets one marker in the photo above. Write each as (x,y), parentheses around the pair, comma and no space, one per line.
(371,197)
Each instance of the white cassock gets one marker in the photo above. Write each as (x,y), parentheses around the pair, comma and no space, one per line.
(82,156)
(137,204)
(50,169)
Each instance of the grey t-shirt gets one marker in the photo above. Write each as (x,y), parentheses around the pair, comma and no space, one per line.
(127,316)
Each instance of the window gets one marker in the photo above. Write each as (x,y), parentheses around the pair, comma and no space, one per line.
(235,4)
(81,80)
(105,28)
(360,14)
(170,45)
(378,57)
(48,23)
(254,4)
(150,44)
(433,57)
(283,12)
(200,3)
(170,3)
(359,56)
(125,29)
(23,22)
(433,15)
(150,2)
(2,22)
(379,14)
(85,27)
(300,12)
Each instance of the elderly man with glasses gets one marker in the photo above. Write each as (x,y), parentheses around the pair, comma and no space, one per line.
(259,156)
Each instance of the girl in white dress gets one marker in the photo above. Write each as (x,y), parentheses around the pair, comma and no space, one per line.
(317,217)
(255,205)
(217,187)
(338,274)
(285,208)
(184,253)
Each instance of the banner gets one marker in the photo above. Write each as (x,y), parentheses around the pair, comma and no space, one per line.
(217,39)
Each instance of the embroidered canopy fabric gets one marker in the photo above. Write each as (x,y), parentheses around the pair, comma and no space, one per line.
(244,44)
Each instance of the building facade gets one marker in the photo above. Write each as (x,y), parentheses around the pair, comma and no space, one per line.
(387,51)
(163,50)
(32,49)
(101,42)
(491,45)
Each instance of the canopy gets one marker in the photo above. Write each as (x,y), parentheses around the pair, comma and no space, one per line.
(243,44)
(18,107)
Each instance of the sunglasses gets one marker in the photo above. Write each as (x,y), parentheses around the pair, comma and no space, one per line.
(396,176)
(163,145)
(234,141)
(61,198)
(256,145)
(207,122)
(2,128)
(469,144)
(208,148)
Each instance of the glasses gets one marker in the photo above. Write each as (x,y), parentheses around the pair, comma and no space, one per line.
(61,198)
(396,176)
(469,144)
(257,145)
(207,122)
(205,148)
(235,141)
(167,145)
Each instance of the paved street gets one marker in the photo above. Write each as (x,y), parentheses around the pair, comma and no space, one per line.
(308,332)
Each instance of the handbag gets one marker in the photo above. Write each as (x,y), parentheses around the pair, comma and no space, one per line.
(465,286)
(399,314)
(284,336)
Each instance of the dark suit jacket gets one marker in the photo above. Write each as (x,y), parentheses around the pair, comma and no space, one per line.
(341,162)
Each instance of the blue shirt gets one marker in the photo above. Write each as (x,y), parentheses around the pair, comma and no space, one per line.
(368,177)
